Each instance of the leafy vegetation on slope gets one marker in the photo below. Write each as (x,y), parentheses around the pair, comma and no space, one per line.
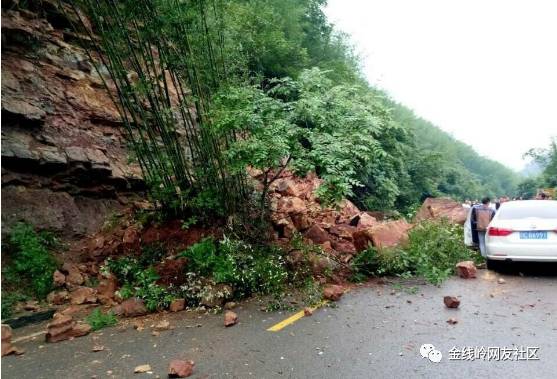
(30,259)
(29,266)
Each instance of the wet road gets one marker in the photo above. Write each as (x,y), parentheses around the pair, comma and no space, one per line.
(374,331)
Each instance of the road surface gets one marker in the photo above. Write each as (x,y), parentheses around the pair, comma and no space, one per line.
(374,331)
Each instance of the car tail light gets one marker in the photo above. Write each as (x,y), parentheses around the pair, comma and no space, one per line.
(499,232)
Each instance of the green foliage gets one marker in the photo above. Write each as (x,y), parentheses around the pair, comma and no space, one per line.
(547,158)
(445,166)
(272,85)
(528,188)
(124,268)
(152,253)
(9,300)
(249,269)
(139,281)
(365,264)
(433,250)
(338,131)
(155,296)
(98,320)
(31,264)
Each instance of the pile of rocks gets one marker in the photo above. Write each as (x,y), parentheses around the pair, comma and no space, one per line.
(342,231)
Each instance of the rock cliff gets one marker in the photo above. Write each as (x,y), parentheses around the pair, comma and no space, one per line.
(64,159)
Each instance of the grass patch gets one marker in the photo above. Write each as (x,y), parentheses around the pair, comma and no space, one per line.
(98,320)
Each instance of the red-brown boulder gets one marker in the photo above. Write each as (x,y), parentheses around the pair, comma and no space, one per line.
(73,274)
(344,231)
(130,308)
(333,292)
(57,297)
(348,210)
(383,235)
(83,295)
(58,278)
(177,305)
(366,221)
(442,207)
(287,187)
(180,368)
(7,347)
(451,301)
(344,247)
(106,289)
(300,221)
(291,205)
(63,327)
(230,318)
(317,234)
(131,236)
(466,269)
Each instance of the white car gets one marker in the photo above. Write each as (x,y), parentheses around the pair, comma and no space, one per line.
(524,230)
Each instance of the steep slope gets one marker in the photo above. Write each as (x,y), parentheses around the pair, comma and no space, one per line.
(64,160)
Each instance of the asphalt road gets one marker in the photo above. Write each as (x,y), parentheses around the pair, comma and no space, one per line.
(374,331)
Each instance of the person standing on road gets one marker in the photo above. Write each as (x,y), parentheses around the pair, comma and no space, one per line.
(481,217)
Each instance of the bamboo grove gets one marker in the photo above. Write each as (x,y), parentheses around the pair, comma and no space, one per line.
(164,60)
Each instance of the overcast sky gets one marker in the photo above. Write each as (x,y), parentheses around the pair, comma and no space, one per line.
(483,70)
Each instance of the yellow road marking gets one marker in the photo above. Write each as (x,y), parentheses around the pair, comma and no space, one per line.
(295,317)
(23,338)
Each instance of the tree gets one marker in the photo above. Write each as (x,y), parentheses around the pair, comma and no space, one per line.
(547,158)
(337,131)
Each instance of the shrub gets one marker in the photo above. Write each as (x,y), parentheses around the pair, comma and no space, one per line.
(99,320)
(364,264)
(433,250)
(249,269)
(140,282)
(154,295)
(435,247)
(31,264)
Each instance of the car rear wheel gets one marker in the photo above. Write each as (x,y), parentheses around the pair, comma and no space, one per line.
(493,265)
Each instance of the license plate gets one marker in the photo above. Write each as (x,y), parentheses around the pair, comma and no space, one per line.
(533,235)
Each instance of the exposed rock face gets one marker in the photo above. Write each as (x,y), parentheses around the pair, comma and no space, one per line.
(442,207)
(64,159)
